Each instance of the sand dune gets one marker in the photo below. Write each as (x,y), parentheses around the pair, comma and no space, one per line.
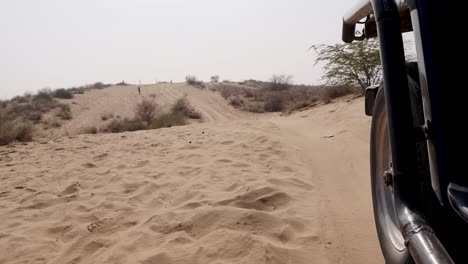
(88,108)
(238,188)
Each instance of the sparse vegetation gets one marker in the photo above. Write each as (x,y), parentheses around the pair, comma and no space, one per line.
(192,80)
(64,112)
(279,96)
(146,110)
(122,125)
(169,120)
(146,117)
(12,129)
(183,106)
(214,79)
(280,82)
(63,94)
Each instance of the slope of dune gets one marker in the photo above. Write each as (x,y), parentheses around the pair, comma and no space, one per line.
(238,188)
(89,108)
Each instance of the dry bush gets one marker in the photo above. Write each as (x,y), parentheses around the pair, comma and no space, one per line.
(228,90)
(146,110)
(64,112)
(183,106)
(274,102)
(236,101)
(331,92)
(122,125)
(63,94)
(169,120)
(13,129)
(270,98)
(192,80)
(280,82)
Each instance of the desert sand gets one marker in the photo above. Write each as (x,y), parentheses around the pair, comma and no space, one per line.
(236,188)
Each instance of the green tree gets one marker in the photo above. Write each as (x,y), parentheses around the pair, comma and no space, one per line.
(357,63)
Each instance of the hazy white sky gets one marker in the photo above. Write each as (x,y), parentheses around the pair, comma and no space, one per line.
(64,43)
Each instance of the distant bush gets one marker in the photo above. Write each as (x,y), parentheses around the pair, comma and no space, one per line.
(122,83)
(64,112)
(275,97)
(122,125)
(12,129)
(183,106)
(100,85)
(63,94)
(274,102)
(214,79)
(332,92)
(236,101)
(280,82)
(192,80)
(169,120)
(146,110)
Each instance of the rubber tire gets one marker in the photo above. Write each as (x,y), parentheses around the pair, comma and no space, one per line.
(451,230)
(395,253)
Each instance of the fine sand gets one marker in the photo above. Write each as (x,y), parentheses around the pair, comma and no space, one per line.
(237,188)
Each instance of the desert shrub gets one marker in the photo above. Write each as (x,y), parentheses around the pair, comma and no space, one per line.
(43,101)
(146,110)
(122,83)
(11,129)
(236,101)
(214,79)
(21,99)
(26,111)
(227,90)
(192,80)
(7,130)
(182,105)
(63,94)
(64,112)
(274,102)
(169,120)
(24,131)
(100,85)
(332,92)
(280,82)
(121,125)
(78,90)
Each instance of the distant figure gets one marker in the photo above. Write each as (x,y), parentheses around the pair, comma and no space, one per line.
(139,90)
(171,81)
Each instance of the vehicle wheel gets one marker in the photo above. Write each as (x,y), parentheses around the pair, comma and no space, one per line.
(391,241)
(390,238)
(451,230)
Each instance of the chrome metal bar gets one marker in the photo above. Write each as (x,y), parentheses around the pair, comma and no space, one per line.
(358,12)
(361,10)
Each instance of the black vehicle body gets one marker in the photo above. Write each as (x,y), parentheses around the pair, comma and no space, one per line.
(387,20)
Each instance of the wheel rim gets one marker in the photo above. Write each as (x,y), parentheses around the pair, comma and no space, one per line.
(383,194)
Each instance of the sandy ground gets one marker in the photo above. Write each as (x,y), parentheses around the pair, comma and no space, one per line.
(238,188)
